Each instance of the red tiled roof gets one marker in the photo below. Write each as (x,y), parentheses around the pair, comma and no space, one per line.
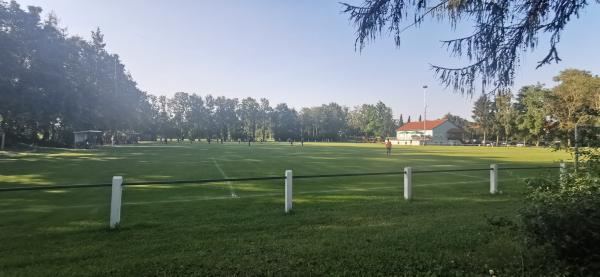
(418,125)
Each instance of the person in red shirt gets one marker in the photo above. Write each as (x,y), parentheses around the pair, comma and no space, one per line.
(388,147)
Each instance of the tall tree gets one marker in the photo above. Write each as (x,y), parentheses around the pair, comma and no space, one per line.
(483,115)
(574,100)
(226,120)
(531,104)
(52,84)
(285,123)
(265,118)
(198,117)
(249,113)
(383,115)
(505,116)
(180,108)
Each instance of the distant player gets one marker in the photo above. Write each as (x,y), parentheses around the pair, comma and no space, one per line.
(388,147)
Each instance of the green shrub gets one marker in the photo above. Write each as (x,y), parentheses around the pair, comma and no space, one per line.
(565,215)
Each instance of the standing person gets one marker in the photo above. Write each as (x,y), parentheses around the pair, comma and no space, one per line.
(388,147)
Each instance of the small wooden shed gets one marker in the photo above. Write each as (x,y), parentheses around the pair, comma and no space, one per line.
(87,139)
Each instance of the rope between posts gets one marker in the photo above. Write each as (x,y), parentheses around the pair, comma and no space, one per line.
(56,187)
(535,167)
(203,181)
(348,174)
(451,170)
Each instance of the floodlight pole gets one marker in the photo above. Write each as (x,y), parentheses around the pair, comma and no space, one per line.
(424,112)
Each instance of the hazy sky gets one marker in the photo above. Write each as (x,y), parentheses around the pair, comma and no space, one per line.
(298,52)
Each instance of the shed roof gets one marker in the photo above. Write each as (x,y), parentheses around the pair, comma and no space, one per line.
(420,125)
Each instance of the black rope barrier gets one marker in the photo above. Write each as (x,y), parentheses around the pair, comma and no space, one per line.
(450,170)
(534,167)
(50,187)
(202,181)
(348,174)
(141,183)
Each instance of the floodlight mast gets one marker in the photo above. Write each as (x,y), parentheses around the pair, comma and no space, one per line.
(425,112)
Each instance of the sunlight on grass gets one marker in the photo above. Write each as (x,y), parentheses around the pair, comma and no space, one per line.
(364,218)
(76,226)
(71,154)
(57,191)
(27,179)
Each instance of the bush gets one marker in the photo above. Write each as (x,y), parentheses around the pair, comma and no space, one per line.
(565,215)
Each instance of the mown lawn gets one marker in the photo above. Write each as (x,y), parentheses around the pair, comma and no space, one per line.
(340,226)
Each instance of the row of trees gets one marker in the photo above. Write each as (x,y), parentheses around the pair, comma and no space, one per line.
(52,84)
(190,116)
(538,114)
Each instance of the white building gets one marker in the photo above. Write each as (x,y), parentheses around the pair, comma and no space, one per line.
(429,132)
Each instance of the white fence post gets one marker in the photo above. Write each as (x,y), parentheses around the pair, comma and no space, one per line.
(493,178)
(288,190)
(115,201)
(408,183)
(563,168)
(563,171)
(2,142)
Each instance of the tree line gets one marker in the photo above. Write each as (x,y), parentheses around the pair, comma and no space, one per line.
(52,84)
(190,116)
(541,115)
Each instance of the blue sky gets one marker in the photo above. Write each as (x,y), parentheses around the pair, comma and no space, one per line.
(298,52)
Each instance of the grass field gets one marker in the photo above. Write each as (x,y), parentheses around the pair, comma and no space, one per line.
(340,226)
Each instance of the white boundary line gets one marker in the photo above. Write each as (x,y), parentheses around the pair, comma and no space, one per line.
(192,199)
(231,190)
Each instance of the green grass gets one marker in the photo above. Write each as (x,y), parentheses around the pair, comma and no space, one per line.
(340,226)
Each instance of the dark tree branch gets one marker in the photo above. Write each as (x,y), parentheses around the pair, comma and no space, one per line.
(504,30)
